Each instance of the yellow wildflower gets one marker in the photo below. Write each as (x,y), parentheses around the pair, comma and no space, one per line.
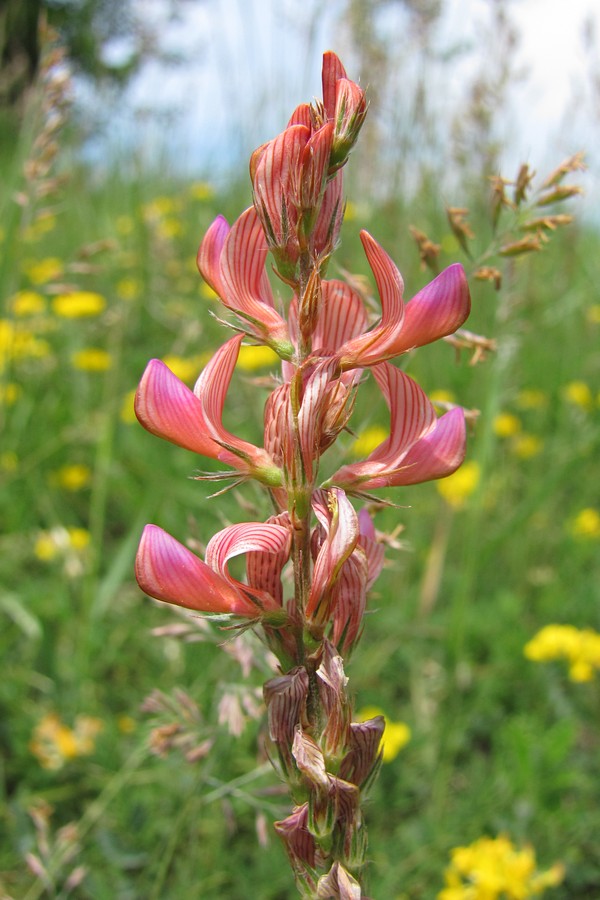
(127,413)
(456,488)
(169,228)
(253,357)
(78,304)
(578,393)
(126,724)
(27,303)
(124,225)
(442,396)
(586,523)
(531,398)
(55,744)
(44,223)
(525,446)
(369,439)
(494,869)
(9,461)
(18,343)
(593,314)
(43,270)
(395,736)
(201,190)
(129,288)
(92,359)
(9,393)
(206,292)
(506,425)
(73,478)
(579,647)
(186,369)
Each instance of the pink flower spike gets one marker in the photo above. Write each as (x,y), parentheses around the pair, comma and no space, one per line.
(267,539)
(437,310)
(380,343)
(208,259)
(168,571)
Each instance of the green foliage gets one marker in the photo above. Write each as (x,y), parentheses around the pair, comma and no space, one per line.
(500,743)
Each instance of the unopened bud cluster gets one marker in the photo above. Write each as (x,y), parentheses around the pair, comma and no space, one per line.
(326,344)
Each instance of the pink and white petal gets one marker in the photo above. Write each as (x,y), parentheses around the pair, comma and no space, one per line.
(166,407)
(374,549)
(437,310)
(314,165)
(301,116)
(208,259)
(168,571)
(276,180)
(350,600)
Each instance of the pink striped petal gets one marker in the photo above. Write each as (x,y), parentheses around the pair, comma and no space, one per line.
(245,284)
(333,70)
(437,310)
(249,537)
(374,549)
(436,455)
(208,259)
(324,238)
(339,543)
(350,601)
(314,165)
(166,407)
(168,571)
(412,415)
(378,344)
(276,183)
(211,390)
(263,568)
(343,316)
(302,116)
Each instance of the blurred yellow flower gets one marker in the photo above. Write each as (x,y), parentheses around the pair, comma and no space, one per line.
(579,394)
(201,190)
(9,461)
(43,270)
(124,225)
(169,228)
(531,398)
(187,369)
(129,288)
(593,314)
(127,413)
(396,734)
(506,425)
(54,743)
(59,542)
(579,647)
(44,223)
(253,357)
(161,206)
(78,304)
(72,478)
(92,359)
(10,393)
(456,488)
(18,343)
(206,292)
(586,523)
(126,724)
(494,869)
(442,396)
(526,446)
(27,303)
(369,439)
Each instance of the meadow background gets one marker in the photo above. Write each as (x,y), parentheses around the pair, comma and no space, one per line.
(132,758)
